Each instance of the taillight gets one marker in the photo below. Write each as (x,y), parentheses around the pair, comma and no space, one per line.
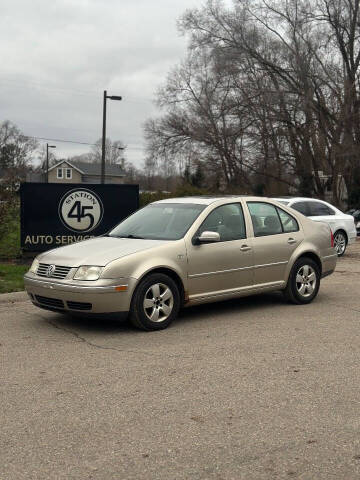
(331,239)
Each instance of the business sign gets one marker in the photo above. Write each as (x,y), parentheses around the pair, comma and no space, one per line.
(54,214)
(81,210)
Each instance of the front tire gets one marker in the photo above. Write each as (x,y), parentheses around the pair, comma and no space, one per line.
(304,281)
(340,243)
(156,302)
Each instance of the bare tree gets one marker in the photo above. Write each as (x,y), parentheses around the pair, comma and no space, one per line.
(114,152)
(16,154)
(204,115)
(308,50)
(267,97)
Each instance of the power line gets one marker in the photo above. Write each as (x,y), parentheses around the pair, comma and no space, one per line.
(75,142)
(59,140)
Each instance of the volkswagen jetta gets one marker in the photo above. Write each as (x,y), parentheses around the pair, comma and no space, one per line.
(185,251)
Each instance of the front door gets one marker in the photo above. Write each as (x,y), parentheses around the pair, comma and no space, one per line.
(221,267)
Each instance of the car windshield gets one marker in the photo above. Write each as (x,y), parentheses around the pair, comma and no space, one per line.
(159,221)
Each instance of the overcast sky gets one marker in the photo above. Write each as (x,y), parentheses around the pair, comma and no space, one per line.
(57,57)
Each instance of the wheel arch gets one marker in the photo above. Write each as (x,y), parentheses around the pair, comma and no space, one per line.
(170,273)
(313,256)
(291,293)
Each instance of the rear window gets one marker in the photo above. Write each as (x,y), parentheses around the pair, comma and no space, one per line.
(318,209)
(267,219)
(301,207)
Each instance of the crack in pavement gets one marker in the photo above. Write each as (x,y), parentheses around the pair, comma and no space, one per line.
(103,347)
(82,339)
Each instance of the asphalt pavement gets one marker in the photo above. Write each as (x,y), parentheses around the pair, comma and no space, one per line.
(248,389)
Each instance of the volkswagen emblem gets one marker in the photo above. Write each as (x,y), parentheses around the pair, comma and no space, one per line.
(50,270)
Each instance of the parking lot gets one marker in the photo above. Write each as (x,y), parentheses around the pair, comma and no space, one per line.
(246,389)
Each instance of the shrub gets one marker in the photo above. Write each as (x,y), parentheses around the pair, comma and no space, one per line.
(148,197)
(10,229)
(186,190)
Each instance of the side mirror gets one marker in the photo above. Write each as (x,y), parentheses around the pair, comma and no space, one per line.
(209,237)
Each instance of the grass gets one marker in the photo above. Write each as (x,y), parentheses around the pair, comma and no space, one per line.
(11,277)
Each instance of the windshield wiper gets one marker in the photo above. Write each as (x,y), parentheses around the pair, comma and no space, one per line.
(134,236)
(127,236)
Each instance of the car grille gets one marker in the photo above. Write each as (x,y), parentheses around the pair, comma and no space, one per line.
(59,272)
(79,305)
(50,302)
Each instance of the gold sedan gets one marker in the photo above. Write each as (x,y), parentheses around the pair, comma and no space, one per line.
(185,251)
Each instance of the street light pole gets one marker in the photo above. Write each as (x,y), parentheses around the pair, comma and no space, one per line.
(112,97)
(103,140)
(47,160)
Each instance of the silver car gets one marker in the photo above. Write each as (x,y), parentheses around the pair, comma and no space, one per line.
(185,251)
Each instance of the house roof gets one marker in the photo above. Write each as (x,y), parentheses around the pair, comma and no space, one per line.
(70,164)
(92,169)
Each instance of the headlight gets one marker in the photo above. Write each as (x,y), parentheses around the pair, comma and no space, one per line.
(34,266)
(88,272)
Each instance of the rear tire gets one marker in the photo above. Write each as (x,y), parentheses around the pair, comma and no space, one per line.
(304,282)
(155,303)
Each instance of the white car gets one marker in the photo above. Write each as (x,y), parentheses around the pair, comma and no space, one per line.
(341,224)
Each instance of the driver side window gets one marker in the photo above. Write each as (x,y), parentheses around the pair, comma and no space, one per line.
(227,220)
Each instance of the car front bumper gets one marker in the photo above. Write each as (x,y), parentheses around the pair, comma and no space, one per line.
(84,299)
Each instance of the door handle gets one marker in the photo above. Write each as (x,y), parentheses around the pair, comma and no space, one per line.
(291,240)
(245,248)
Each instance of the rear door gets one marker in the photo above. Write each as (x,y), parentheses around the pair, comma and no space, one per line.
(276,235)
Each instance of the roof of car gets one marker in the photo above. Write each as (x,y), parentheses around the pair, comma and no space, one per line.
(207,200)
(290,199)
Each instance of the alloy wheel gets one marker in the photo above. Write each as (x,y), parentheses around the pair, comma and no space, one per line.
(158,302)
(339,243)
(306,280)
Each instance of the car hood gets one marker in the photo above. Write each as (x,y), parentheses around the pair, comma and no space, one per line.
(97,251)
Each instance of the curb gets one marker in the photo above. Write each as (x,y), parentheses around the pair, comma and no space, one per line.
(13,297)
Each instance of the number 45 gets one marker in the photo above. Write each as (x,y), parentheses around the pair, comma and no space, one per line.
(79,212)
